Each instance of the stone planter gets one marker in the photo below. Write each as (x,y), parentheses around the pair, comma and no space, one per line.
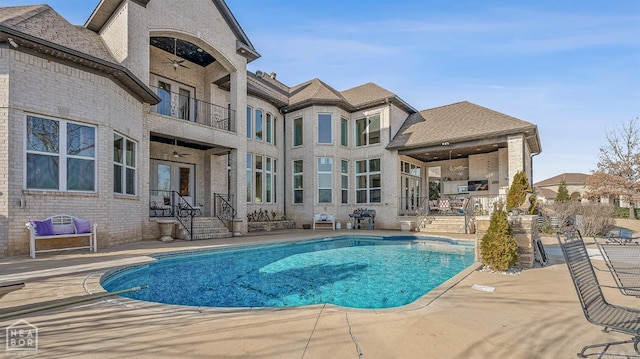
(166,229)
(269,226)
(524,228)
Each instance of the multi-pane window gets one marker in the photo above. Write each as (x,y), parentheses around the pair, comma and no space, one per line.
(298,194)
(344,132)
(324,128)
(124,165)
(410,168)
(297,132)
(259,125)
(261,179)
(270,180)
(249,122)
(249,177)
(368,130)
(368,181)
(344,180)
(325,180)
(258,178)
(60,155)
(269,129)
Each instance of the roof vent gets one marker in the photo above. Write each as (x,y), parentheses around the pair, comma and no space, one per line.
(259,73)
(273,75)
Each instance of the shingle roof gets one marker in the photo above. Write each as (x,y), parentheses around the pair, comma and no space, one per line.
(569,179)
(461,121)
(546,193)
(314,90)
(366,93)
(42,22)
(39,28)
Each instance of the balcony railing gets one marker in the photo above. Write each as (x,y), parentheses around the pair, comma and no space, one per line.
(178,105)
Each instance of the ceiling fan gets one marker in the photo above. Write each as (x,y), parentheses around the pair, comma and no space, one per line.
(174,62)
(177,154)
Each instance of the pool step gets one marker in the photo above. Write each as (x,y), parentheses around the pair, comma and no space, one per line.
(442,224)
(205,228)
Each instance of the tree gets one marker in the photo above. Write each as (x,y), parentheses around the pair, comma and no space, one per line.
(618,168)
(498,246)
(519,191)
(563,192)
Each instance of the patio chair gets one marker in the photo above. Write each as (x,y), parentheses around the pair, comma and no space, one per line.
(623,261)
(594,305)
(157,205)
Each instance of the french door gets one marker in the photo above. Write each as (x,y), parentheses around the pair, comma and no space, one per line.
(172,176)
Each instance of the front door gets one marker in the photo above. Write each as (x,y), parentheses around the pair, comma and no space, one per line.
(167,177)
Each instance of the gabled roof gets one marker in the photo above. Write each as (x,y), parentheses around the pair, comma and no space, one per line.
(546,193)
(105,9)
(40,29)
(569,179)
(458,122)
(42,22)
(316,92)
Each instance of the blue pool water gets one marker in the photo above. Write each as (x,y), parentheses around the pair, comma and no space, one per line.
(356,272)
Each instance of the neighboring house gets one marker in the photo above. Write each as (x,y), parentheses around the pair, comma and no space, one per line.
(547,190)
(151,99)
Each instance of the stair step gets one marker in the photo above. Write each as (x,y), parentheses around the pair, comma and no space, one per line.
(442,224)
(205,228)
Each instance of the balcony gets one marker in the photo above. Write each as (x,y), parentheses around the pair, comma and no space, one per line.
(185,107)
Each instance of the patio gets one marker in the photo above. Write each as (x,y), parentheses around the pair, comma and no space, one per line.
(533,315)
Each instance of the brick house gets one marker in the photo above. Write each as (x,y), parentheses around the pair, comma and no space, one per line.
(152,100)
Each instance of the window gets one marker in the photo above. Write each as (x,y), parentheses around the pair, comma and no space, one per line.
(124,165)
(297,132)
(269,129)
(324,128)
(368,183)
(184,104)
(261,179)
(325,180)
(298,195)
(368,130)
(259,125)
(344,180)
(164,92)
(249,178)
(410,183)
(177,100)
(344,132)
(258,179)
(60,155)
(275,131)
(249,122)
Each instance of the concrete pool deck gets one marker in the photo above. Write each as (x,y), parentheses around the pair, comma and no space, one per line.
(532,315)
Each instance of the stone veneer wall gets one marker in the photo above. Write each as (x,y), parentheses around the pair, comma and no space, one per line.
(525,229)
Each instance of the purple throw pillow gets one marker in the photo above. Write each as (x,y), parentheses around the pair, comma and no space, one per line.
(82,225)
(43,228)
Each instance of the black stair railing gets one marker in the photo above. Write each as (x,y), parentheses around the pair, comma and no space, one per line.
(224,210)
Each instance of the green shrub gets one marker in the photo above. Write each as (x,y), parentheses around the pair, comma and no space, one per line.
(518,193)
(498,246)
(621,212)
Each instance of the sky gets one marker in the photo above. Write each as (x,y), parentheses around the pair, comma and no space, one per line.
(570,67)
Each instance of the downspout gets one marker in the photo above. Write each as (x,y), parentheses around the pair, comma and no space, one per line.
(284,166)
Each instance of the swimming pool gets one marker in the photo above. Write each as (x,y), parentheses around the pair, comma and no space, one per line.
(349,271)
